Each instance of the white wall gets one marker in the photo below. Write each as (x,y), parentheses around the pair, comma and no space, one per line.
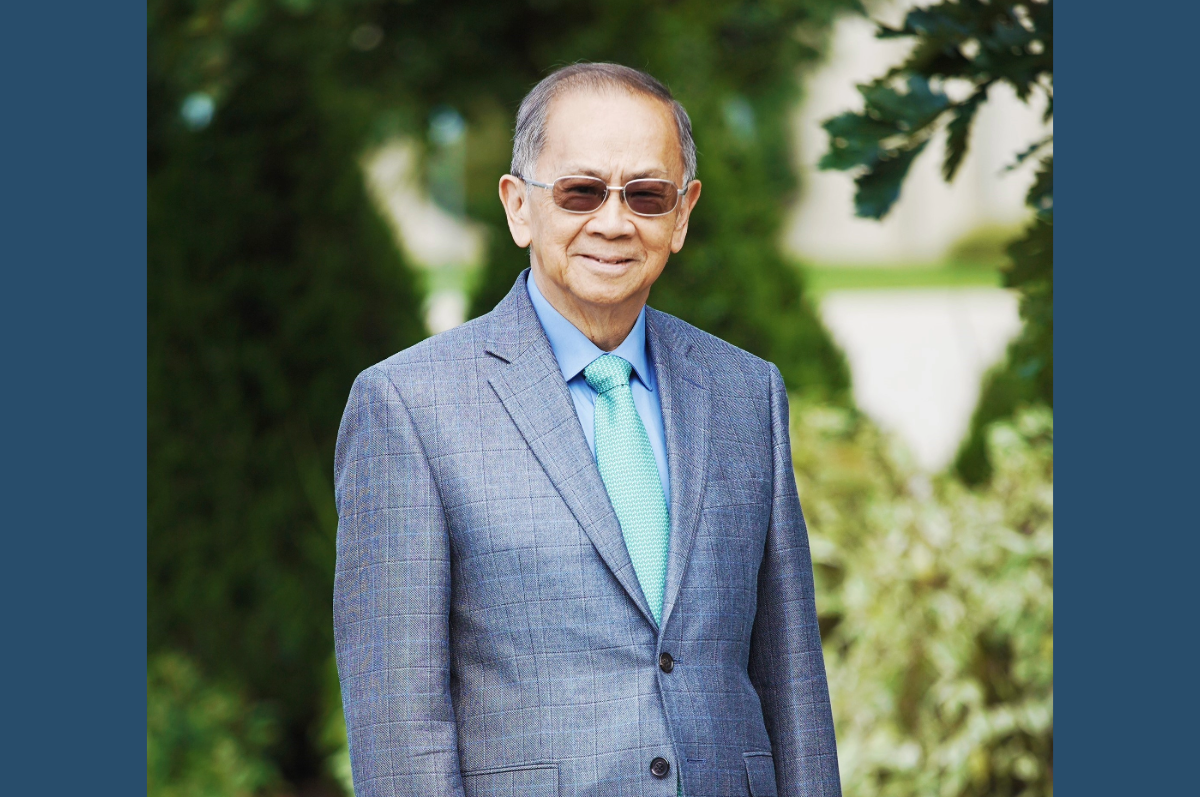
(917,358)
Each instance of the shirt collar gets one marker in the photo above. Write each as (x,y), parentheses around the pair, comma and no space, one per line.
(575,352)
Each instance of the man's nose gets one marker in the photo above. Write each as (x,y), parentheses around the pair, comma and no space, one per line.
(611,219)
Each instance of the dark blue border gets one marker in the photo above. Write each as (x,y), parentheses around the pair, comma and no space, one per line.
(72,211)
(1126,295)
(73,326)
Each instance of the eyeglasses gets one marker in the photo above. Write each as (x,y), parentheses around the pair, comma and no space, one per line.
(580,194)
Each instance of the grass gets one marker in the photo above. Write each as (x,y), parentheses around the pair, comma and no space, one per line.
(822,279)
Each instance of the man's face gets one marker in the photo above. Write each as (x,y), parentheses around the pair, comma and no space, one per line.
(600,261)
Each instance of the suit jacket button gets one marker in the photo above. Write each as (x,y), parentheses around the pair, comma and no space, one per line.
(666,663)
(659,767)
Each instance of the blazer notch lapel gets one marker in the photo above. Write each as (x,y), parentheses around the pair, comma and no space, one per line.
(687,415)
(532,391)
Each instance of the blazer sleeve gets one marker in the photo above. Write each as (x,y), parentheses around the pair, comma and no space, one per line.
(786,666)
(391,601)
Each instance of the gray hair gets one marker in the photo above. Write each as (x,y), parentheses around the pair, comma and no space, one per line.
(530,134)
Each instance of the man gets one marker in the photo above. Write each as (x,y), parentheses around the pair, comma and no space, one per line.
(571,556)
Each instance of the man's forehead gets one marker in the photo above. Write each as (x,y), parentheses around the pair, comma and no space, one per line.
(637,129)
(598,170)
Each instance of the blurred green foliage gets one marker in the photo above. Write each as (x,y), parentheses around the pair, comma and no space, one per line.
(204,739)
(983,247)
(1026,376)
(272,283)
(936,608)
(333,742)
(961,50)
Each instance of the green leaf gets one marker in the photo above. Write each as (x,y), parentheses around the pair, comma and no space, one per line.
(1041,193)
(958,132)
(1032,149)
(936,22)
(879,188)
(936,58)
(908,111)
(853,141)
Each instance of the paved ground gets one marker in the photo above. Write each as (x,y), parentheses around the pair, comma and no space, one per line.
(917,356)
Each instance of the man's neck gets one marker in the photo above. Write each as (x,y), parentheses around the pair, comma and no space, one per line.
(607,326)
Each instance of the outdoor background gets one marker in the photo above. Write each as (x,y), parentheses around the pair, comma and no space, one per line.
(876,220)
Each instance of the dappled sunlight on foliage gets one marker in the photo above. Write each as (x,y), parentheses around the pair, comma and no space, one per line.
(204,739)
(936,607)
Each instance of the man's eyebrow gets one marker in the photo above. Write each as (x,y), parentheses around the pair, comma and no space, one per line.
(654,172)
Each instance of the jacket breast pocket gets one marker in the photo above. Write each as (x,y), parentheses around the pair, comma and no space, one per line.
(534,780)
(760,771)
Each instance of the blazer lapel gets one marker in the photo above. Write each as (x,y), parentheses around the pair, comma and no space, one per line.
(533,392)
(686,413)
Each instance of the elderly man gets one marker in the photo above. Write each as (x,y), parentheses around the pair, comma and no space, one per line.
(571,555)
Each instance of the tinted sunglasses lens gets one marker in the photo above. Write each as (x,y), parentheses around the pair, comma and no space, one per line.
(579,194)
(651,197)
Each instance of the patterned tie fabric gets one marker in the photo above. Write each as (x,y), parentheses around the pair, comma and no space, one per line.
(630,475)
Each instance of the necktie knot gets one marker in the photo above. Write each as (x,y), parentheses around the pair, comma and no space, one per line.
(607,372)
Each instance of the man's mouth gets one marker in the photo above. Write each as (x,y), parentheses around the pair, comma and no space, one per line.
(608,261)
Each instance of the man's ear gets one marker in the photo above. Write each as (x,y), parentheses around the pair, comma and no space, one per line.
(684,213)
(515,199)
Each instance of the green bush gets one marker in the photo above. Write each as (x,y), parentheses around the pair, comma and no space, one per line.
(936,607)
(333,741)
(272,282)
(1026,375)
(202,739)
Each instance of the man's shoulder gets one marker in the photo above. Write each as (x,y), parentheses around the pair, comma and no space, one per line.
(438,357)
(711,352)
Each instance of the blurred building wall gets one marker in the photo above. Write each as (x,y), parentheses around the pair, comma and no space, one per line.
(917,358)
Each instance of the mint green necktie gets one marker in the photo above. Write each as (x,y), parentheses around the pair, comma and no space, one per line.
(630,476)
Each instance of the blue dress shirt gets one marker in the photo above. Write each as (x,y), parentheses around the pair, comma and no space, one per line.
(575,352)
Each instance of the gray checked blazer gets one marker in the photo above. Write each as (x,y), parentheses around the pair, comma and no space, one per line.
(491,635)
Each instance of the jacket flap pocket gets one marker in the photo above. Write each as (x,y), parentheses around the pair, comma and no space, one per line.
(534,780)
(760,770)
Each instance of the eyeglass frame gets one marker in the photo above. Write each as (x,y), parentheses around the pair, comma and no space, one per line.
(679,192)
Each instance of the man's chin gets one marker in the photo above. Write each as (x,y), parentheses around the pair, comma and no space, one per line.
(601,292)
